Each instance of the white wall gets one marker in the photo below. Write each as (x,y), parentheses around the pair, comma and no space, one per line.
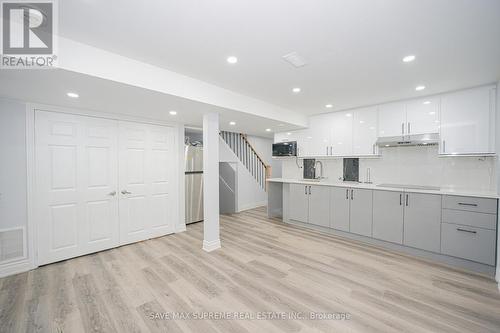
(417,166)
(13,211)
(249,193)
(264,147)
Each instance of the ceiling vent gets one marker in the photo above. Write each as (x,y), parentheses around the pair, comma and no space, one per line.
(294,59)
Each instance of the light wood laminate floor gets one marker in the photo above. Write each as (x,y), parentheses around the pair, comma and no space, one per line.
(264,265)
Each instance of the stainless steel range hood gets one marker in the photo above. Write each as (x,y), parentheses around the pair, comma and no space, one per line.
(409,140)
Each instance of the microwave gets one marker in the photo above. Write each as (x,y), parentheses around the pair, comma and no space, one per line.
(285,149)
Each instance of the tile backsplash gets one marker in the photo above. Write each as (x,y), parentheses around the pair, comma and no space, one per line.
(413,165)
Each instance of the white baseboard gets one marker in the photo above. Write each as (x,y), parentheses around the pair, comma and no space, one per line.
(180,228)
(15,268)
(211,246)
(251,206)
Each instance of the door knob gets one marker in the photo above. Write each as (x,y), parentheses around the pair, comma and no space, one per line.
(126,192)
(112,194)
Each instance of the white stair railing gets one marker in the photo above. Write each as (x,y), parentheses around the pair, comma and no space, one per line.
(248,156)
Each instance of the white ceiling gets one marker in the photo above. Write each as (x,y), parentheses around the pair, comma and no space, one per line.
(50,87)
(353,47)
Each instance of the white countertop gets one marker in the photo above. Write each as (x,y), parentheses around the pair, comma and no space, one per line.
(446,191)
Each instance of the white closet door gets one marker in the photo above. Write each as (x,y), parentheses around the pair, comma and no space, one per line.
(76,178)
(162,171)
(147,162)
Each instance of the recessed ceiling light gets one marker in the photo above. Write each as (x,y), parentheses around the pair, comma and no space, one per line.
(409,58)
(173,113)
(427,102)
(232,123)
(268,130)
(361,121)
(296,90)
(432,113)
(329,106)
(387,145)
(419,88)
(348,114)
(232,59)
(288,133)
(72,95)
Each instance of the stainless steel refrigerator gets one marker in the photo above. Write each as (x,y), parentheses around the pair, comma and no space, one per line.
(194,183)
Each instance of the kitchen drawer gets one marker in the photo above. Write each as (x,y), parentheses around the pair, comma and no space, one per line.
(473,219)
(471,204)
(467,242)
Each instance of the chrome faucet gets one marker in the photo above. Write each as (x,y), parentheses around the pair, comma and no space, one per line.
(321,173)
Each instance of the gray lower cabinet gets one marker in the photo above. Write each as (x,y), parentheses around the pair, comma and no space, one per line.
(339,208)
(422,221)
(476,244)
(319,205)
(468,228)
(388,216)
(361,212)
(309,204)
(299,203)
(351,210)
(462,227)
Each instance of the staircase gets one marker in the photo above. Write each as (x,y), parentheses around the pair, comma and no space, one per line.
(248,156)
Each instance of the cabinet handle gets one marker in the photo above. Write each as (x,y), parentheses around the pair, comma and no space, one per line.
(126,192)
(331,150)
(400,199)
(309,190)
(409,130)
(403,128)
(467,204)
(327,150)
(406,200)
(444,146)
(352,194)
(305,190)
(465,230)
(347,194)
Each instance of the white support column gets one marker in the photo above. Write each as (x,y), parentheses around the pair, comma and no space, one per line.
(180,225)
(497,149)
(211,239)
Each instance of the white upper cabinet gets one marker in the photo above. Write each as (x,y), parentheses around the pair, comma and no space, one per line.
(320,134)
(305,142)
(364,131)
(407,118)
(467,122)
(392,119)
(422,116)
(341,133)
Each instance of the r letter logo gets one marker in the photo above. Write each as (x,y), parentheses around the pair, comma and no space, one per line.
(28,34)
